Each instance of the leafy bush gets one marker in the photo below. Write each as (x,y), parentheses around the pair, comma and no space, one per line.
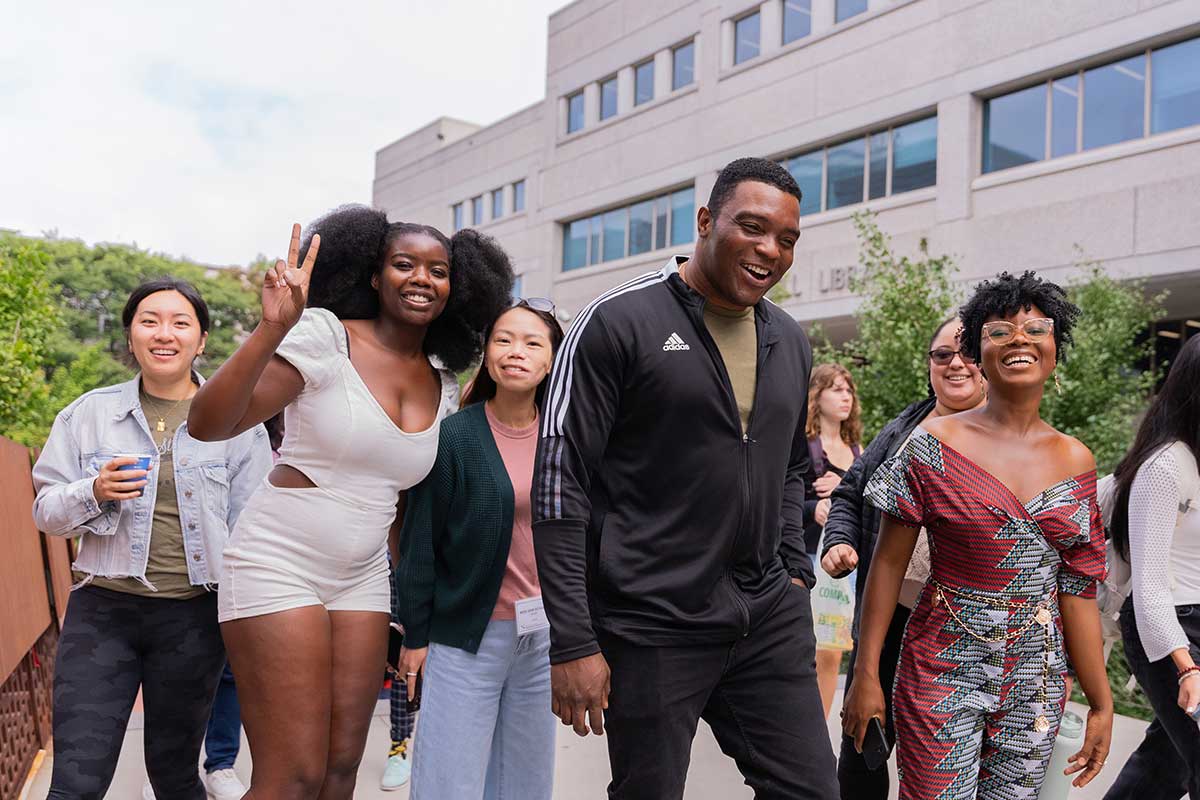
(1103,393)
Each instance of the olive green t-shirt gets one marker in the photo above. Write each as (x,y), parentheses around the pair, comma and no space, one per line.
(166,565)
(737,339)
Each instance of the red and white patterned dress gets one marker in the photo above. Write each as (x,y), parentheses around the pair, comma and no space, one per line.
(979,689)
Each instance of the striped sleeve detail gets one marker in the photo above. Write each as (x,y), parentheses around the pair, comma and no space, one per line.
(560,395)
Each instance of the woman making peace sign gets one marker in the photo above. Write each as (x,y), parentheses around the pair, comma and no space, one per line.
(363,374)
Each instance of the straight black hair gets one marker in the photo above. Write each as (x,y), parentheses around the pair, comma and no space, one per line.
(166,283)
(1174,415)
(483,387)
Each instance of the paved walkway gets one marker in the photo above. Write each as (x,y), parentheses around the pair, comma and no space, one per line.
(582,768)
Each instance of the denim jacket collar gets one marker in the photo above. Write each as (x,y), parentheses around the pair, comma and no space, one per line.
(130,397)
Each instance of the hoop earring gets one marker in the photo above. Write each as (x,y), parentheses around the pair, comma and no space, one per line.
(1057,384)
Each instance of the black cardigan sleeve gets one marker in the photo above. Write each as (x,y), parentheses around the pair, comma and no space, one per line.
(424,521)
(844,525)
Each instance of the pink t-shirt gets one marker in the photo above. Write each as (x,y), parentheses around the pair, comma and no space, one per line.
(517,449)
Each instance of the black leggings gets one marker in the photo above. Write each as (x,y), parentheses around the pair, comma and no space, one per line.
(111,644)
(1167,763)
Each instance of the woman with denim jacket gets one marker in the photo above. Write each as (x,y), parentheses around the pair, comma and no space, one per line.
(144,612)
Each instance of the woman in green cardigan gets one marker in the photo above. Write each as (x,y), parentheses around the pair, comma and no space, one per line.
(467,584)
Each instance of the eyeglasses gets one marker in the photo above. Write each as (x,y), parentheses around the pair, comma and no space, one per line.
(543,304)
(1002,332)
(944,355)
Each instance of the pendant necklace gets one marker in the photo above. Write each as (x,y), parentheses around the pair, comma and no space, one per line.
(161,425)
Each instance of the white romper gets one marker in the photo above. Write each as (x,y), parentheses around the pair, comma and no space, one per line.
(327,544)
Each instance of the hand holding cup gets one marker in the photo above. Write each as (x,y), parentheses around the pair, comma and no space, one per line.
(122,478)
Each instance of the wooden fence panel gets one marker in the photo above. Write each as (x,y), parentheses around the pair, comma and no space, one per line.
(24,604)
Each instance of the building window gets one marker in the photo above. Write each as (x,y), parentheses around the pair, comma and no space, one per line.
(683,65)
(746,38)
(477,210)
(797,19)
(845,9)
(643,83)
(456,214)
(1095,107)
(497,203)
(844,183)
(1064,116)
(683,216)
(1175,90)
(518,285)
(883,163)
(877,164)
(1116,103)
(1014,129)
(575,112)
(641,227)
(608,98)
(519,196)
(914,155)
(630,230)
(808,170)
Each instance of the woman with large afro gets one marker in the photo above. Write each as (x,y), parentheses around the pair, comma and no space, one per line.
(363,328)
(1016,549)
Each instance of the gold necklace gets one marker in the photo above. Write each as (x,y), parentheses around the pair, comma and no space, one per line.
(161,425)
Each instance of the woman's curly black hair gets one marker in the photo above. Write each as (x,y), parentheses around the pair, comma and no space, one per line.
(354,240)
(1007,295)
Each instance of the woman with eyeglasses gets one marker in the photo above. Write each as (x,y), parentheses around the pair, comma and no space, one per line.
(468,594)
(1016,546)
(852,527)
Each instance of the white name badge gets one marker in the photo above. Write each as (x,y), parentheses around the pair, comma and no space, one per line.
(531,615)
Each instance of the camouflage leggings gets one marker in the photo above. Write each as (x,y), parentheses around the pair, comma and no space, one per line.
(111,644)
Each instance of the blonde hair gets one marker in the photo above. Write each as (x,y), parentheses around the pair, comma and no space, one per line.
(823,377)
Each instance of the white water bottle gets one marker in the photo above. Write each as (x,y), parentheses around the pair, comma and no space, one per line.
(1070,738)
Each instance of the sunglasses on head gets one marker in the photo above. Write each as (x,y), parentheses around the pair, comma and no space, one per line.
(944,355)
(543,304)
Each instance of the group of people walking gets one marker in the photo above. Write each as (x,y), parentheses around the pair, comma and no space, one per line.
(617,527)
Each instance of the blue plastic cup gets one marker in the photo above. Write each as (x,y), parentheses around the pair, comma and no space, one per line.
(143,463)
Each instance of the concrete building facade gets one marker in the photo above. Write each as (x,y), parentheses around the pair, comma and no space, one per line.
(1013,134)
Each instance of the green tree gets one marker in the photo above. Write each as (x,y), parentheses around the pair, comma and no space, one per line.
(84,346)
(1103,392)
(27,316)
(903,300)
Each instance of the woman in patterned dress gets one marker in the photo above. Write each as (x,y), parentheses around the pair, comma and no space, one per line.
(1017,546)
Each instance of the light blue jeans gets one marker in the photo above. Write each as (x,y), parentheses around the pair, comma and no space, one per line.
(486,731)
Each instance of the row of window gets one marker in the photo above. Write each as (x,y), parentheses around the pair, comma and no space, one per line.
(496,198)
(797,23)
(887,162)
(1152,92)
(890,161)
(669,219)
(683,73)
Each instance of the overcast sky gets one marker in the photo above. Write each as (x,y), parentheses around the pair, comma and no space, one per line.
(204,129)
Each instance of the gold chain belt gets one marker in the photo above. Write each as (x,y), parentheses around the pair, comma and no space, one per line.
(1042,615)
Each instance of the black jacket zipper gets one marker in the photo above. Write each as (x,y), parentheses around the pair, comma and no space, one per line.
(714,353)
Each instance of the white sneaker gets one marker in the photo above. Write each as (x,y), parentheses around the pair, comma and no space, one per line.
(224,784)
(148,791)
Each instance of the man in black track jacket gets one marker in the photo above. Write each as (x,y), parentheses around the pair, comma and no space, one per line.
(668,503)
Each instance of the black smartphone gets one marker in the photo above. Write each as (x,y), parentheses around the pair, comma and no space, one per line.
(395,642)
(875,750)
(414,705)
